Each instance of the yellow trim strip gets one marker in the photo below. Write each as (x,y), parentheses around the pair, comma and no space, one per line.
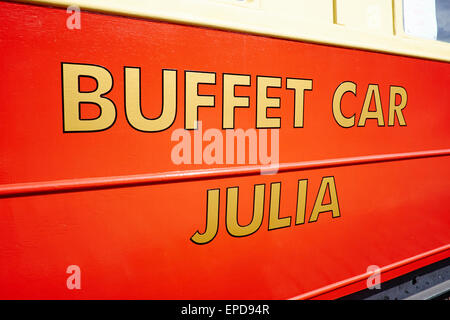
(265,20)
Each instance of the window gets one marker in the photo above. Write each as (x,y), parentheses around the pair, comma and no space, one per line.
(429,19)
(443,20)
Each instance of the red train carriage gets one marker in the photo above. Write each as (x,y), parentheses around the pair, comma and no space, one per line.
(221,149)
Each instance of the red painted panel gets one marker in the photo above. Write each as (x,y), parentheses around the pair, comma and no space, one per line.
(134,242)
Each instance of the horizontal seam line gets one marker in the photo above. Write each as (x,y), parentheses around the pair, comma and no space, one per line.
(364,276)
(85,184)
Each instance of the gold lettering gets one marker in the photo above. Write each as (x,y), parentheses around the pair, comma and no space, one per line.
(333,206)
(193,99)
(301,201)
(372,90)
(337,97)
(275,222)
(230,101)
(212,219)
(299,86)
(233,226)
(397,109)
(133,108)
(263,102)
(72,97)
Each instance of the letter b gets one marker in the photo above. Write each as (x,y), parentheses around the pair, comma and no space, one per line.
(72,97)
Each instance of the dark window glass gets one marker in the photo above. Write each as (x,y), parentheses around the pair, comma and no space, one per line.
(443,20)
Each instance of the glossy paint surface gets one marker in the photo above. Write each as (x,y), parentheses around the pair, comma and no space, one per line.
(133,240)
